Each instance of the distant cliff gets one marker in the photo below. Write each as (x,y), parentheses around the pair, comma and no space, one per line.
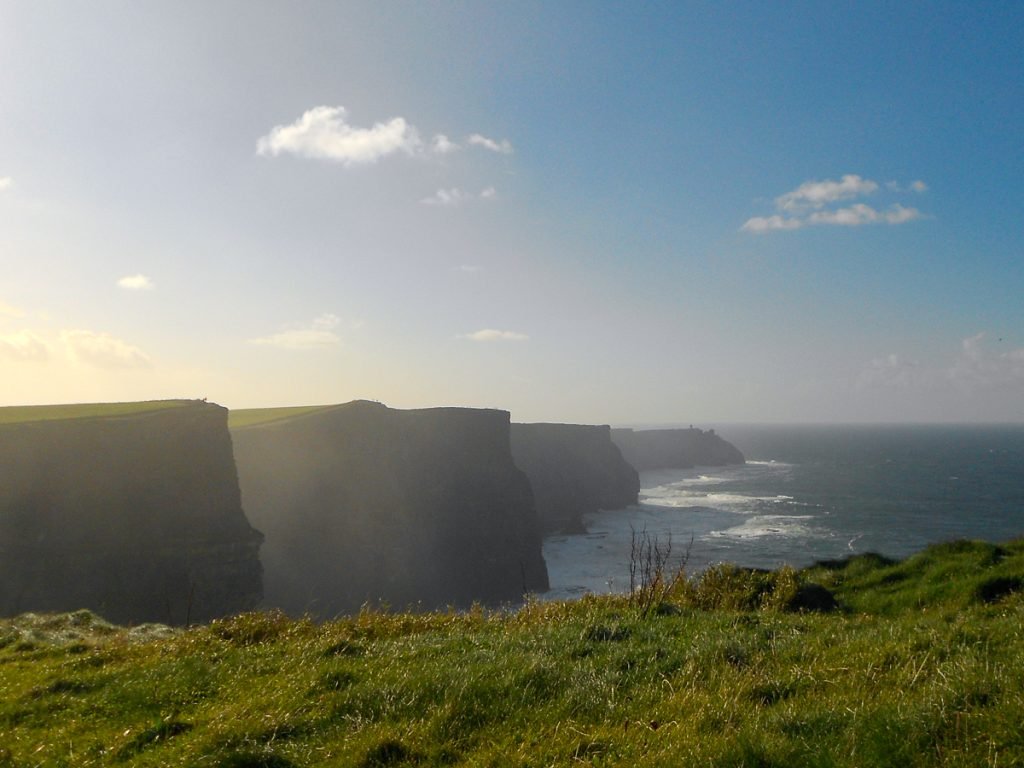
(675,448)
(573,469)
(130,510)
(360,502)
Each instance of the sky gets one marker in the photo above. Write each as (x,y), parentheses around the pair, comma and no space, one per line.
(596,212)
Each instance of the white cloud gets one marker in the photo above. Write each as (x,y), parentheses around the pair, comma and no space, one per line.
(6,310)
(856,215)
(918,186)
(974,367)
(488,193)
(490,334)
(760,224)
(472,268)
(450,197)
(135,283)
(322,133)
(816,194)
(318,335)
(23,346)
(103,350)
(503,147)
(812,204)
(442,145)
(6,182)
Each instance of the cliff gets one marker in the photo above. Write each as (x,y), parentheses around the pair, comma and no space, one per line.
(130,510)
(675,448)
(360,502)
(573,469)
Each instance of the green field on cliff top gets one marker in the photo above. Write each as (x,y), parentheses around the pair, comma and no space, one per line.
(923,664)
(18,414)
(250,417)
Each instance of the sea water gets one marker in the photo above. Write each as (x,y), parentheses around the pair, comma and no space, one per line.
(805,494)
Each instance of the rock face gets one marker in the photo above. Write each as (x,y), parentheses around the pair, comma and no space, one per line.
(675,448)
(573,469)
(360,502)
(135,516)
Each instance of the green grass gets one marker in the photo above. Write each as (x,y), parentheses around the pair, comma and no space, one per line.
(249,417)
(17,414)
(922,665)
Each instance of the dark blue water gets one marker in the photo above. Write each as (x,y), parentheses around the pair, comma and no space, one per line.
(809,493)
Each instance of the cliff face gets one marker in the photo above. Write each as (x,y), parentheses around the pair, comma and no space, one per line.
(573,469)
(361,502)
(675,448)
(137,517)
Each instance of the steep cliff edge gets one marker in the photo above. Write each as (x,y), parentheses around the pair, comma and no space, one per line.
(360,502)
(675,448)
(130,510)
(573,469)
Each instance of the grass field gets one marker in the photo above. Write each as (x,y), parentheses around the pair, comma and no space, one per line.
(17,414)
(250,417)
(922,665)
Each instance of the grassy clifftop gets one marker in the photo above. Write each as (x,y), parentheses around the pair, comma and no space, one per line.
(19,414)
(923,664)
(251,417)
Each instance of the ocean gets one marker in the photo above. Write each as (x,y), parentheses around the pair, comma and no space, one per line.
(809,493)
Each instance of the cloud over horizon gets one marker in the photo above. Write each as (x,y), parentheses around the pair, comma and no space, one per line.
(317,335)
(138,282)
(812,204)
(975,366)
(103,350)
(491,334)
(6,182)
(23,346)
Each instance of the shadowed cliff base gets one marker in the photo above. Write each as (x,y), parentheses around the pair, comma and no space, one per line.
(574,469)
(129,509)
(363,503)
(675,448)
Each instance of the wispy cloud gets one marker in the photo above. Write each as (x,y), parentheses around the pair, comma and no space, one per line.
(6,182)
(816,194)
(6,310)
(856,215)
(23,346)
(103,350)
(323,133)
(442,145)
(490,334)
(976,365)
(813,203)
(471,268)
(760,224)
(447,197)
(135,283)
(455,196)
(503,147)
(319,334)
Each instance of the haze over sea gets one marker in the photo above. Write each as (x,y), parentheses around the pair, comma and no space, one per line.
(809,493)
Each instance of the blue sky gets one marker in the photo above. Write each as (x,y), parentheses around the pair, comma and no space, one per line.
(596,212)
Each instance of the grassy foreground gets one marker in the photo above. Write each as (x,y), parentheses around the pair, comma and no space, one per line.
(922,665)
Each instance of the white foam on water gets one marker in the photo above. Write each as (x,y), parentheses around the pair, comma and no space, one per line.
(763,526)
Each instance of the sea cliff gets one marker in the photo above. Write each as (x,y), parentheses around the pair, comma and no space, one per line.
(675,448)
(131,510)
(364,503)
(573,469)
